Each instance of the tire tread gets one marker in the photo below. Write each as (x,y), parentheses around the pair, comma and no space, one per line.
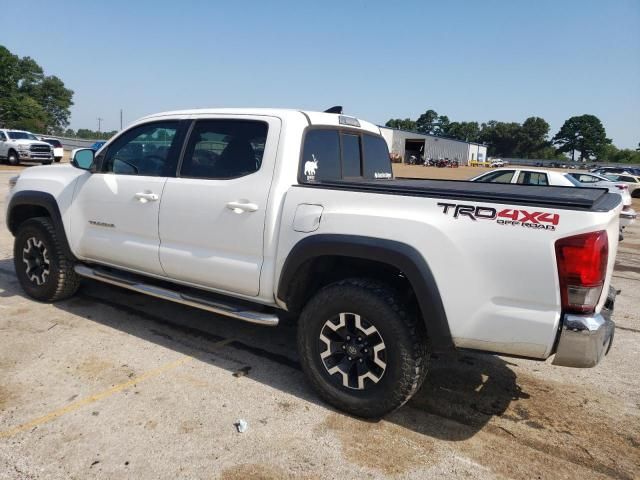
(415,363)
(66,281)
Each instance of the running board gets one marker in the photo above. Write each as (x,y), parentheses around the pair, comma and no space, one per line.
(210,305)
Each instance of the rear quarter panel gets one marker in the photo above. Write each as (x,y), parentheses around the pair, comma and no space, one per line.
(498,283)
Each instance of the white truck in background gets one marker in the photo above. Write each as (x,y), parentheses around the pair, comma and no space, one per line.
(19,145)
(251,213)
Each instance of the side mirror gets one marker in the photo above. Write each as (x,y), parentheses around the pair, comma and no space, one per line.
(83,158)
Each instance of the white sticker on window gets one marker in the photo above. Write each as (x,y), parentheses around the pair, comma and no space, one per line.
(381,175)
(310,168)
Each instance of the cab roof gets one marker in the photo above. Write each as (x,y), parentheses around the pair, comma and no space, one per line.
(312,117)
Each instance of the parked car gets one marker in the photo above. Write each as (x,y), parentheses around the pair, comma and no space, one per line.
(632,182)
(496,163)
(20,145)
(524,176)
(274,217)
(611,170)
(97,145)
(58,151)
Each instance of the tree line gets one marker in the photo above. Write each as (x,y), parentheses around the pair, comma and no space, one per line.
(581,137)
(29,99)
(88,134)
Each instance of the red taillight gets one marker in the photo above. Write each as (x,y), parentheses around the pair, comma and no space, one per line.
(623,187)
(582,267)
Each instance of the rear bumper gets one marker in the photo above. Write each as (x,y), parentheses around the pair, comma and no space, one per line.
(585,339)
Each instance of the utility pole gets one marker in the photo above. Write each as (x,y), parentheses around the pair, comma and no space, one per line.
(120,119)
(100,124)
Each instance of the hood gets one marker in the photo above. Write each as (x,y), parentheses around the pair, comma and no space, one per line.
(24,141)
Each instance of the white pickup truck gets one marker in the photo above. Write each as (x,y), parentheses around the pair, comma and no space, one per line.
(252,213)
(19,145)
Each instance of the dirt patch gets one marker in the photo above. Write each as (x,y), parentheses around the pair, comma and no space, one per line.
(626,268)
(627,244)
(260,471)
(95,369)
(380,446)
(189,426)
(6,397)
(286,406)
(493,415)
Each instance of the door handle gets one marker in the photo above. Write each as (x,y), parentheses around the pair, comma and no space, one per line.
(243,206)
(145,197)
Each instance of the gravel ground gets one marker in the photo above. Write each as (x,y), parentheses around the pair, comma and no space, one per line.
(112,384)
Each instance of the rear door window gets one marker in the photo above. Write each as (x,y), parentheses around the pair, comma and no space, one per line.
(532,178)
(584,178)
(224,149)
(503,176)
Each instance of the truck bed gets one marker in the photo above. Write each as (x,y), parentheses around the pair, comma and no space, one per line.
(571,198)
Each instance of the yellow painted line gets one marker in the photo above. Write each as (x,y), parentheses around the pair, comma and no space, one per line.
(99,396)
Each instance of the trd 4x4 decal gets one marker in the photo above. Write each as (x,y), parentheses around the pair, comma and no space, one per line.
(507,216)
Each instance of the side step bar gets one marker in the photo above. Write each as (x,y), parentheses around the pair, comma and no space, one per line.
(226,309)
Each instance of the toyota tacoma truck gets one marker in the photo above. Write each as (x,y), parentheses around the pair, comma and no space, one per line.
(18,145)
(257,213)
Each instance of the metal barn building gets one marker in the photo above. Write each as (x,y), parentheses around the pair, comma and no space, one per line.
(406,144)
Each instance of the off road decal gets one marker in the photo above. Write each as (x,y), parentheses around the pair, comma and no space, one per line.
(508,216)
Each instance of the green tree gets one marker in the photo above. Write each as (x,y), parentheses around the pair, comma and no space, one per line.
(584,133)
(55,100)
(29,98)
(532,137)
(28,114)
(427,122)
(466,131)
(502,138)
(399,124)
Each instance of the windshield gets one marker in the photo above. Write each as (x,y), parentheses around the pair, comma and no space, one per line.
(15,135)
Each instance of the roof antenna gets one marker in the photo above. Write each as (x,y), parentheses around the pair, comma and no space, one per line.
(337,109)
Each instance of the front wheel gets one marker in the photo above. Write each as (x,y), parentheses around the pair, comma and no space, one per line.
(44,271)
(361,350)
(13,159)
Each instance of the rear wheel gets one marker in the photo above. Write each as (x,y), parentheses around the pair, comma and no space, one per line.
(12,158)
(360,349)
(43,269)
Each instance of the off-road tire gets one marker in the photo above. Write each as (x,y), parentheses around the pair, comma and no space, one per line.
(62,281)
(13,158)
(403,334)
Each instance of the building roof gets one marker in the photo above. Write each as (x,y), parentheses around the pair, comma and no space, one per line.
(412,132)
